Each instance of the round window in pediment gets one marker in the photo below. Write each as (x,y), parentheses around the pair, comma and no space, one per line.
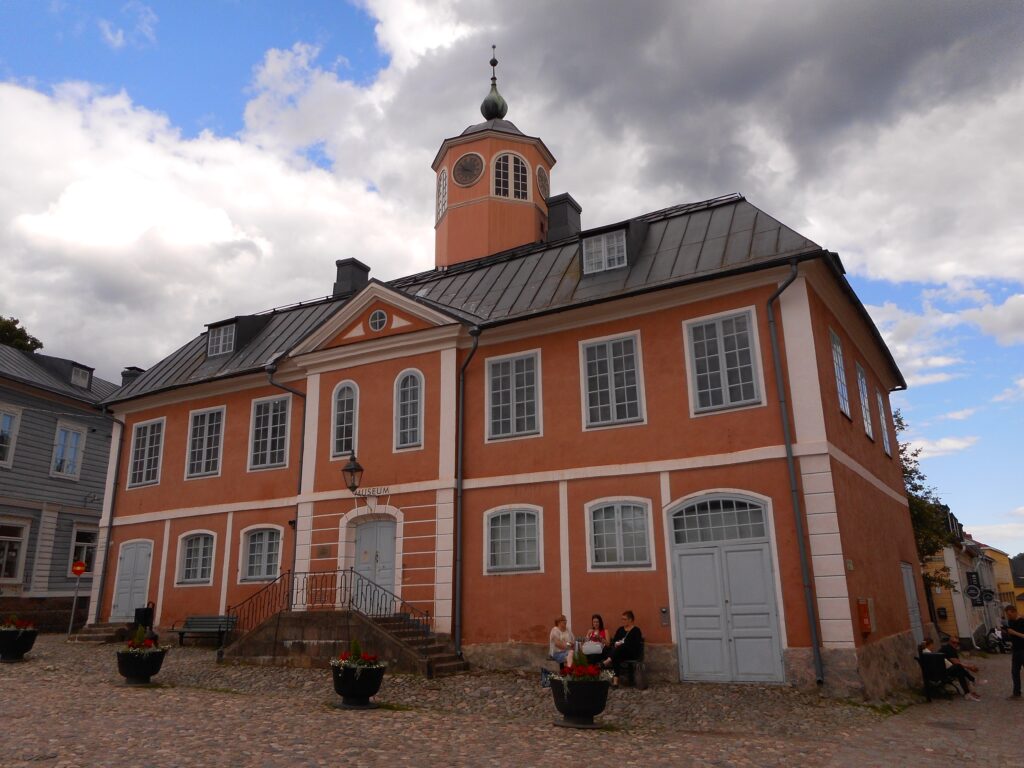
(378,320)
(467,169)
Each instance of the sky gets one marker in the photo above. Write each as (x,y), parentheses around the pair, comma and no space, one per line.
(167,165)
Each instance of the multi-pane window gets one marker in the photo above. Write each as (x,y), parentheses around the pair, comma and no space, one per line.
(197,558)
(606,251)
(718,519)
(8,433)
(865,404)
(619,534)
(83,548)
(837,363)
(408,410)
(613,392)
(221,340)
(513,396)
(442,193)
(68,445)
(262,550)
(205,435)
(883,424)
(269,432)
(345,404)
(80,377)
(505,165)
(147,442)
(512,541)
(12,543)
(723,363)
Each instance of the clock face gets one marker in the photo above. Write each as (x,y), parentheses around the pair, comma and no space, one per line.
(468,169)
(542,182)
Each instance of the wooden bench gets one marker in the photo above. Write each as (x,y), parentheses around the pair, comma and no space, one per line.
(205,626)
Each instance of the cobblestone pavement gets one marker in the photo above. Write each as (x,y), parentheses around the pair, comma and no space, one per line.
(67,706)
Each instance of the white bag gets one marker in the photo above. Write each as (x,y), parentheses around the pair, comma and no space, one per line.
(592,647)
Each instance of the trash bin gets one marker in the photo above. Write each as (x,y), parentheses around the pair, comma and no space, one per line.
(144,617)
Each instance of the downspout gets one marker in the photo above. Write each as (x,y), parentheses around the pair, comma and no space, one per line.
(271,369)
(474,332)
(110,520)
(805,569)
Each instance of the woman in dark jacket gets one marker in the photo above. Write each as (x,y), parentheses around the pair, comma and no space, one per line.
(627,645)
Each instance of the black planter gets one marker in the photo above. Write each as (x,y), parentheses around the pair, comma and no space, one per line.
(15,643)
(356,685)
(579,701)
(137,668)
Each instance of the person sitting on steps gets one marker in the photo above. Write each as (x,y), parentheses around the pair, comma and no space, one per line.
(560,643)
(627,645)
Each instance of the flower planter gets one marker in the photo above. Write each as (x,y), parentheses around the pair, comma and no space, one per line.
(138,668)
(15,643)
(579,701)
(356,685)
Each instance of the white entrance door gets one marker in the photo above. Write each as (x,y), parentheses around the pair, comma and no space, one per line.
(131,588)
(913,607)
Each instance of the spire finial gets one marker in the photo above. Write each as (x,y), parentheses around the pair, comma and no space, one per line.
(493,106)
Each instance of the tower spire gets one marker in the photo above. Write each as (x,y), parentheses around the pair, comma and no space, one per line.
(494,106)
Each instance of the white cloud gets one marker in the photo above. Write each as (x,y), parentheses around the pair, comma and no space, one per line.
(960,415)
(920,343)
(145,21)
(112,36)
(1003,321)
(943,446)
(1012,393)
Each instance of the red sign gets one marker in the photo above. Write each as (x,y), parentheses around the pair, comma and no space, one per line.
(78,567)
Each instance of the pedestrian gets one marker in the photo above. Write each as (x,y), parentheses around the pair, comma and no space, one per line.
(957,666)
(1015,632)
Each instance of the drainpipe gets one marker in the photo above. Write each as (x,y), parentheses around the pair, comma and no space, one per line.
(805,569)
(110,520)
(271,369)
(474,332)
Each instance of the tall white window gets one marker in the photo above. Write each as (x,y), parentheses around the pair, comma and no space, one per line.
(147,443)
(83,548)
(613,389)
(837,362)
(883,423)
(196,566)
(723,364)
(618,535)
(442,193)
(12,550)
(8,434)
(68,447)
(346,405)
(865,404)
(269,433)
(204,444)
(508,168)
(262,553)
(513,541)
(605,251)
(513,396)
(221,340)
(409,410)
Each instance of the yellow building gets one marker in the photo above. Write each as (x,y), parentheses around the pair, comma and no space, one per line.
(1002,575)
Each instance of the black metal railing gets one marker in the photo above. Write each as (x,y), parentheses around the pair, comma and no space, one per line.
(257,608)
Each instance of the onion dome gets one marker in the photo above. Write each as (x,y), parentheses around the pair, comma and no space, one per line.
(493,106)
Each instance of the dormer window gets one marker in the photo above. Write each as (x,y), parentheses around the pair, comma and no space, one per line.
(80,377)
(221,340)
(605,251)
(519,177)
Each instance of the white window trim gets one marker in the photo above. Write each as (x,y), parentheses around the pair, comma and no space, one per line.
(243,554)
(221,329)
(26,531)
(220,448)
(539,511)
(539,432)
(441,201)
(588,523)
(755,351)
(511,178)
(69,426)
(835,344)
(865,402)
(334,420)
(883,423)
(75,528)
(131,455)
(15,412)
(641,389)
(605,267)
(387,321)
(179,567)
(396,448)
(287,433)
(716,496)
(88,376)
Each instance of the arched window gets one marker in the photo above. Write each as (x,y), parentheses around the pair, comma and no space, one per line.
(262,551)
(442,193)
(719,518)
(196,563)
(409,410)
(511,168)
(513,540)
(346,410)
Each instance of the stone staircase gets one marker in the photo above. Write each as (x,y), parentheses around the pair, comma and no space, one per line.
(100,633)
(441,658)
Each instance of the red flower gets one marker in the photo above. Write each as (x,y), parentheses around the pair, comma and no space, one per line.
(148,643)
(345,656)
(368,657)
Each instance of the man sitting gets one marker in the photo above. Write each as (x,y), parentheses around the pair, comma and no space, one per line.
(627,645)
(957,667)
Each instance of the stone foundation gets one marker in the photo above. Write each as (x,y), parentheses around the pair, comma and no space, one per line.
(660,659)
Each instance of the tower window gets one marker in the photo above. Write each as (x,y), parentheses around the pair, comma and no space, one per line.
(519,177)
(442,193)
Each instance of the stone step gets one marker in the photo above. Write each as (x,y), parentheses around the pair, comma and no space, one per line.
(449,668)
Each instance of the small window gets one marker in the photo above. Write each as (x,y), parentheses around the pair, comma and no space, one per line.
(718,519)
(9,418)
(409,410)
(513,394)
(513,541)
(80,377)
(205,437)
(722,363)
(612,386)
(883,423)
(378,319)
(505,165)
(221,340)
(442,193)
(147,443)
(865,404)
(12,550)
(196,566)
(346,408)
(262,552)
(83,548)
(619,535)
(837,362)
(68,448)
(269,433)
(603,252)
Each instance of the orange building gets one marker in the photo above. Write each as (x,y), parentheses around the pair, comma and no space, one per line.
(685,414)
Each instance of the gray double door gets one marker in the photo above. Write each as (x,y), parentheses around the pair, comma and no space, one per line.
(131,588)
(375,552)
(726,615)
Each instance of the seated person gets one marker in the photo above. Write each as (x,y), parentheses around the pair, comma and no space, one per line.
(957,668)
(560,643)
(627,644)
(595,642)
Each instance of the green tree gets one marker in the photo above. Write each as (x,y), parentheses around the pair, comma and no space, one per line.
(14,335)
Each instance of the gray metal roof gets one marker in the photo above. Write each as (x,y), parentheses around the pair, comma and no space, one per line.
(25,367)
(505,126)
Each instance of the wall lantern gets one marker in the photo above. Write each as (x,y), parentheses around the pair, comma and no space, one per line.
(352,472)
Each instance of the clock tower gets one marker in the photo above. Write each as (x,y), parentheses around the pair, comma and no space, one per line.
(493,182)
